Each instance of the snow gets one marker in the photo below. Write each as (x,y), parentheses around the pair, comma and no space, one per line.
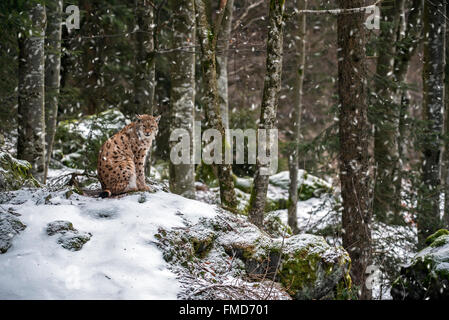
(121,260)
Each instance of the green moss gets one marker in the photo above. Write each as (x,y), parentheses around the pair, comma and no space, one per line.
(436,235)
(299,271)
(440,241)
(201,247)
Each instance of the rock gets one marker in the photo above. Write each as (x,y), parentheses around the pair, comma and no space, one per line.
(14,173)
(70,238)
(74,241)
(308,186)
(305,266)
(277,194)
(243,184)
(274,226)
(10,226)
(59,226)
(427,275)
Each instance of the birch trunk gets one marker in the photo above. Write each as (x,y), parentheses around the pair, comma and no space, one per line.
(52,74)
(272,87)
(31,111)
(433,97)
(207,39)
(354,131)
(182,95)
(296,117)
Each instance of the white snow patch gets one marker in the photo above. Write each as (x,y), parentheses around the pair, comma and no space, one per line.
(121,261)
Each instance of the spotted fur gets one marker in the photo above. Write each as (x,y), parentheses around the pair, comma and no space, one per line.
(121,161)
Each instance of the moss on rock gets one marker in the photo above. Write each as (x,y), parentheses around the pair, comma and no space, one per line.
(427,275)
(436,235)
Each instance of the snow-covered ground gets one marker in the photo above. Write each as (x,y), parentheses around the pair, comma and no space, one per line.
(121,260)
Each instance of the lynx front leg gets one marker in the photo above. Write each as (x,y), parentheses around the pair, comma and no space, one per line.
(140,172)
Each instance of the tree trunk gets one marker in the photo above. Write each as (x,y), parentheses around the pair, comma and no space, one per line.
(354,131)
(52,74)
(145,70)
(92,59)
(433,103)
(272,87)
(144,81)
(222,62)
(31,111)
(182,94)
(296,118)
(207,39)
(406,48)
(445,164)
(386,116)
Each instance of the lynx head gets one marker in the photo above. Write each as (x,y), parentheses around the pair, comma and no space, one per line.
(147,126)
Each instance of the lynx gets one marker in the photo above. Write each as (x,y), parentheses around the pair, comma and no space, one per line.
(121,161)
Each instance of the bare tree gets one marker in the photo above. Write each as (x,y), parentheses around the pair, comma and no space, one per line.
(222,61)
(445,164)
(354,137)
(433,98)
(272,87)
(52,74)
(300,45)
(386,198)
(144,80)
(31,111)
(207,38)
(182,94)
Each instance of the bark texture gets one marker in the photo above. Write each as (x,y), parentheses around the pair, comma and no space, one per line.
(386,116)
(300,45)
(182,95)
(207,39)
(445,164)
(354,137)
(52,74)
(272,87)
(144,81)
(433,97)
(31,110)
(222,62)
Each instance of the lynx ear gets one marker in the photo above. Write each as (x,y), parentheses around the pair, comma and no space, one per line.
(157,118)
(139,117)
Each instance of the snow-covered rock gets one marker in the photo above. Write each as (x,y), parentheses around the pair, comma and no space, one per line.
(15,174)
(427,275)
(309,187)
(69,237)
(10,226)
(305,266)
(155,246)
